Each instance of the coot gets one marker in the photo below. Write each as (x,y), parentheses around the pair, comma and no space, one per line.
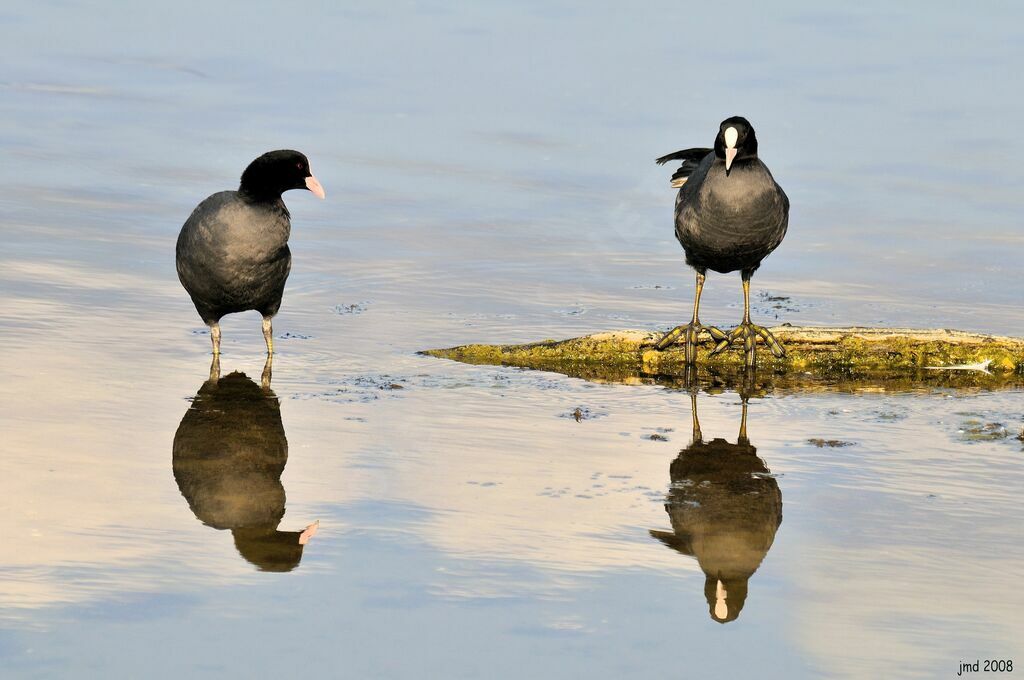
(232,252)
(730,214)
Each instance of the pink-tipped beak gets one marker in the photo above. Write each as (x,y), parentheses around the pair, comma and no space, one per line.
(315,187)
(730,154)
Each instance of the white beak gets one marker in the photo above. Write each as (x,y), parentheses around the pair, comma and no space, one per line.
(315,187)
(730,135)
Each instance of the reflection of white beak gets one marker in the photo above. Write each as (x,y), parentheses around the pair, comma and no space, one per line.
(721,608)
(310,531)
(315,187)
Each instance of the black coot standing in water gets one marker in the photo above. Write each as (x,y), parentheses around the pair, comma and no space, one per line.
(232,253)
(730,214)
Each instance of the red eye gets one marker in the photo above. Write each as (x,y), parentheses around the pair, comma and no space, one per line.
(299,166)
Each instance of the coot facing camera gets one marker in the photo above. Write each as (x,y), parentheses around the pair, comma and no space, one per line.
(730,214)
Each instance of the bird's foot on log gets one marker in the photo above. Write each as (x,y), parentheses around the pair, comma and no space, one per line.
(690,335)
(749,333)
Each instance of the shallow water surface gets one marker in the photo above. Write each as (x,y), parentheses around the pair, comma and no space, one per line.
(489,178)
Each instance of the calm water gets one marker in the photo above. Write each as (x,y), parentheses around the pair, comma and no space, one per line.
(490,179)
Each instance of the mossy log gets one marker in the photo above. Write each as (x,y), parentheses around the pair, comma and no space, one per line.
(854,358)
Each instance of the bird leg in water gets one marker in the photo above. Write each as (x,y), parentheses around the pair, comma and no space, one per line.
(691,331)
(268,334)
(215,338)
(215,368)
(750,332)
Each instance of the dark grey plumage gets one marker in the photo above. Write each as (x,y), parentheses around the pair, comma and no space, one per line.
(730,222)
(232,253)
(730,214)
(691,158)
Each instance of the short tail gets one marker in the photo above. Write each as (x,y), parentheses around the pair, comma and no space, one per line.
(691,158)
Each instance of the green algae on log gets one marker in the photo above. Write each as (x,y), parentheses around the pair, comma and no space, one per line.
(898,358)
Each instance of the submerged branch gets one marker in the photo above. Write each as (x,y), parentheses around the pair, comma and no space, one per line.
(829,358)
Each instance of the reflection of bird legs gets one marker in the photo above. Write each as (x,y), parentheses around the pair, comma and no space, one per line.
(697,436)
(267,372)
(742,437)
(691,332)
(215,368)
(749,332)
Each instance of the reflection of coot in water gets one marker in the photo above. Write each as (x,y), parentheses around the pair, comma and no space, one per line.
(725,510)
(229,452)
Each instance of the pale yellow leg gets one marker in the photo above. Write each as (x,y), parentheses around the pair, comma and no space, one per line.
(268,334)
(749,332)
(690,333)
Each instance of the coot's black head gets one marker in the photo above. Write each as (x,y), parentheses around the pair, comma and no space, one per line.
(275,172)
(735,141)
